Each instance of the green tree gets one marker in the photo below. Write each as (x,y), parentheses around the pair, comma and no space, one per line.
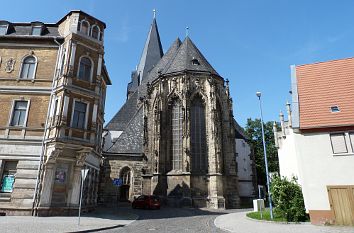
(253,131)
(288,199)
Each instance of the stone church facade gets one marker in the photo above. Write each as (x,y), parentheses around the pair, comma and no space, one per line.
(175,135)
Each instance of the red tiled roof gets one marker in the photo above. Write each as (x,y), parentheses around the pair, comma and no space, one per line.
(322,85)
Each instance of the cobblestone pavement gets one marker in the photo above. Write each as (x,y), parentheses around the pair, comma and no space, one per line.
(172,220)
(239,223)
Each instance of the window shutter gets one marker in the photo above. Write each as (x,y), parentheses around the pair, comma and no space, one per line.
(338,143)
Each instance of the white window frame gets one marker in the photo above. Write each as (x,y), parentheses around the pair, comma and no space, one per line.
(99,32)
(86,113)
(91,72)
(88,28)
(348,143)
(36,26)
(35,67)
(12,112)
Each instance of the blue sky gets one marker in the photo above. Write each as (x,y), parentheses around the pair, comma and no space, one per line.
(252,43)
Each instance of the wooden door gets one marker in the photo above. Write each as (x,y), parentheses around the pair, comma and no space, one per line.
(342,204)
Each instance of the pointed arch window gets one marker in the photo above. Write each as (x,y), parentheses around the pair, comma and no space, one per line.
(85,68)
(198,137)
(28,68)
(125,176)
(176,135)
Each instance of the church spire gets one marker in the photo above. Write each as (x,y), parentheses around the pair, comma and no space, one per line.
(152,51)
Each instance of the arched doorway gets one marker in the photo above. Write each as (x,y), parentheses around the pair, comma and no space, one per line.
(125,175)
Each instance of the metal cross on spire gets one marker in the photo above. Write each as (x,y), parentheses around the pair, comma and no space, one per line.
(154,13)
(187,31)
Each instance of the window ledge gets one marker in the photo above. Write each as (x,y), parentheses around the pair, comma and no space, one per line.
(343,154)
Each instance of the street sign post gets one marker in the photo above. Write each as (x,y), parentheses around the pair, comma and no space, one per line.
(83,177)
(117,182)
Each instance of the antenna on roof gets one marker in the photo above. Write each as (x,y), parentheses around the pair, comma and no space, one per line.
(154,13)
(187,31)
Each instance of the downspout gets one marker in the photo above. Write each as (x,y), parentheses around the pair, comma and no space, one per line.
(36,196)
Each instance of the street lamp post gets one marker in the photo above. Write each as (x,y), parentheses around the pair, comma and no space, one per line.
(259,94)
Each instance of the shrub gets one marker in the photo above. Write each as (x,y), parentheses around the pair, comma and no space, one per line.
(288,199)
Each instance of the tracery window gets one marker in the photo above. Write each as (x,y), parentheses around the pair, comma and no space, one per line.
(198,136)
(176,135)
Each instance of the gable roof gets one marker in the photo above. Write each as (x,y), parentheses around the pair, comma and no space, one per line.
(321,86)
(189,58)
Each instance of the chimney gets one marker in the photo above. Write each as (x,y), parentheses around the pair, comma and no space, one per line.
(288,109)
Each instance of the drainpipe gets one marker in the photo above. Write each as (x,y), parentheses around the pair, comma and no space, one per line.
(40,171)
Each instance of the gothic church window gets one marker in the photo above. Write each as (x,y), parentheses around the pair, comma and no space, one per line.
(198,136)
(28,68)
(85,68)
(176,135)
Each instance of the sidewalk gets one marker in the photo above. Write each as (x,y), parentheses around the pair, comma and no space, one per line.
(238,222)
(100,219)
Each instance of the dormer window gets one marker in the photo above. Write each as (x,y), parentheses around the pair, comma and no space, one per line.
(85,27)
(195,62)
(36,31)
(95,32)
(3,29)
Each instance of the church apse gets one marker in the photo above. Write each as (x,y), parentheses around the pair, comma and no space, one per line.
(177,129)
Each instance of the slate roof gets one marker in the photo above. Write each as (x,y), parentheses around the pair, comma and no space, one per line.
(25,29)
(120,121)
(152,52)
(160,66)
(189,58)
(239,131)
(131,140)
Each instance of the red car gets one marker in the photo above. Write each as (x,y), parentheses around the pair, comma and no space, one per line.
(147,202)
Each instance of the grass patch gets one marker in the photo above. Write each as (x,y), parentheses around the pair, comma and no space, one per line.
(266,216)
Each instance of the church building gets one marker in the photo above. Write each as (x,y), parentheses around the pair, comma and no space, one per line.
(175,135)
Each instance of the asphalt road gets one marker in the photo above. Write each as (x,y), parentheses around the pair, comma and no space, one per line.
(172,220)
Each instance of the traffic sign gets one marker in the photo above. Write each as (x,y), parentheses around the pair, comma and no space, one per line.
(117,181)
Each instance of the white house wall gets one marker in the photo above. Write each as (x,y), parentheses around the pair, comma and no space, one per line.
(288,164)
(318,167)
(244,168)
